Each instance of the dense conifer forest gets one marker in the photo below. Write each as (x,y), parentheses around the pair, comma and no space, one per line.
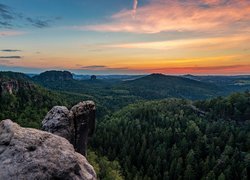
(169,139)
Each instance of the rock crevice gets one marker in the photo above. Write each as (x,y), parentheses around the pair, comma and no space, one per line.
(76,124)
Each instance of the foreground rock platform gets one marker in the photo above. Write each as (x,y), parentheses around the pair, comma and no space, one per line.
(27,153)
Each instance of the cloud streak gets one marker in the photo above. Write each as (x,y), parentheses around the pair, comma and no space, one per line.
(39,23)
(10,50)
(189,15)
(94,67)
(9,19)
(226,69)
(5,16)
(135,7)
(214,43)
(10,57)
(11,33)
(104,68)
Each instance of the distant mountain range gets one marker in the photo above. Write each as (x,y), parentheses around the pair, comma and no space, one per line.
(154,86)
(114,92)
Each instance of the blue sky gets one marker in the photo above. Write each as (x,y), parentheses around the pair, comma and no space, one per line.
(126,36)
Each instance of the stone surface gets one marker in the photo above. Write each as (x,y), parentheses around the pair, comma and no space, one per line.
(84,120)
(27,153)
(58,122)
(8,86)
(75,125)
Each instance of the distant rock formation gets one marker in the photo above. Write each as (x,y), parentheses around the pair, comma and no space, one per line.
(76,125)
(11,86)
(93,77)
(27,153)
(54,76)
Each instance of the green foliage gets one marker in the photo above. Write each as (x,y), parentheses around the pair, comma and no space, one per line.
(105,169)
(159,86)
(6,75)
(234,107)
(169,139)
(29,105)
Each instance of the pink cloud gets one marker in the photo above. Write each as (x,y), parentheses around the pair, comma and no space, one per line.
(11,33)
(167,15)
(202,43)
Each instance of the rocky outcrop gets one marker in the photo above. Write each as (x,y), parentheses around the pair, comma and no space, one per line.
(76,125)
(27,153)
(11,82)
(54,76)
(11,86)
(58,121)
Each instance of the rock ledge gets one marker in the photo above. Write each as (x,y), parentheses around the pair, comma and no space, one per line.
(27,153)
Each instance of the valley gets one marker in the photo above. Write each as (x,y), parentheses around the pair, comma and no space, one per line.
(150,127)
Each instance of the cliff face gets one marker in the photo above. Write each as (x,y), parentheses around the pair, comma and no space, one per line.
(12,86)
(27,153)
(9,87)
(11,82)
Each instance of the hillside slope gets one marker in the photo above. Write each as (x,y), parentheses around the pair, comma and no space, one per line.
(158,86)
(24,101)
(170,139)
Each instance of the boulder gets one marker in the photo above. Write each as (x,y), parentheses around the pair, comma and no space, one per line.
(27,153)
(58,122)
(75,125)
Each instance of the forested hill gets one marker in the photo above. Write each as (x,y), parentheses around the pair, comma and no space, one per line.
(158,86)
(24,101)
(13,75)
(172,139)
(54,76)
(234,107)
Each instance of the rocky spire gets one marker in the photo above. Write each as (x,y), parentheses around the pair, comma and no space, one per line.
(76,125)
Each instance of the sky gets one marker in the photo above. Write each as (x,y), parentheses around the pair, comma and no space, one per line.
(199,37)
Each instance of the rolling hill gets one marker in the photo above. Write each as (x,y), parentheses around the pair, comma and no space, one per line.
(158,86)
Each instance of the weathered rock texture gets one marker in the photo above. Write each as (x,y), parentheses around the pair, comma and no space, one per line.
(12,86)
(27,153)
(75,125)
(57,121)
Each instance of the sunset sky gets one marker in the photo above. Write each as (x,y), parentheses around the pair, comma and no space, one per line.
(126,36)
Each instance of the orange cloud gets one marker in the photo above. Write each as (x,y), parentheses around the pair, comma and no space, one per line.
(201,43)
(167,15)
(229,69)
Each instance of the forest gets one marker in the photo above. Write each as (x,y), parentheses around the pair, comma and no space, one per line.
(168,139)
(163,136)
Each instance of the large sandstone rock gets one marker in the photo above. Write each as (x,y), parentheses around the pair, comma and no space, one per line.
(84,122)
(75,125)
(27,153)
(58,122)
